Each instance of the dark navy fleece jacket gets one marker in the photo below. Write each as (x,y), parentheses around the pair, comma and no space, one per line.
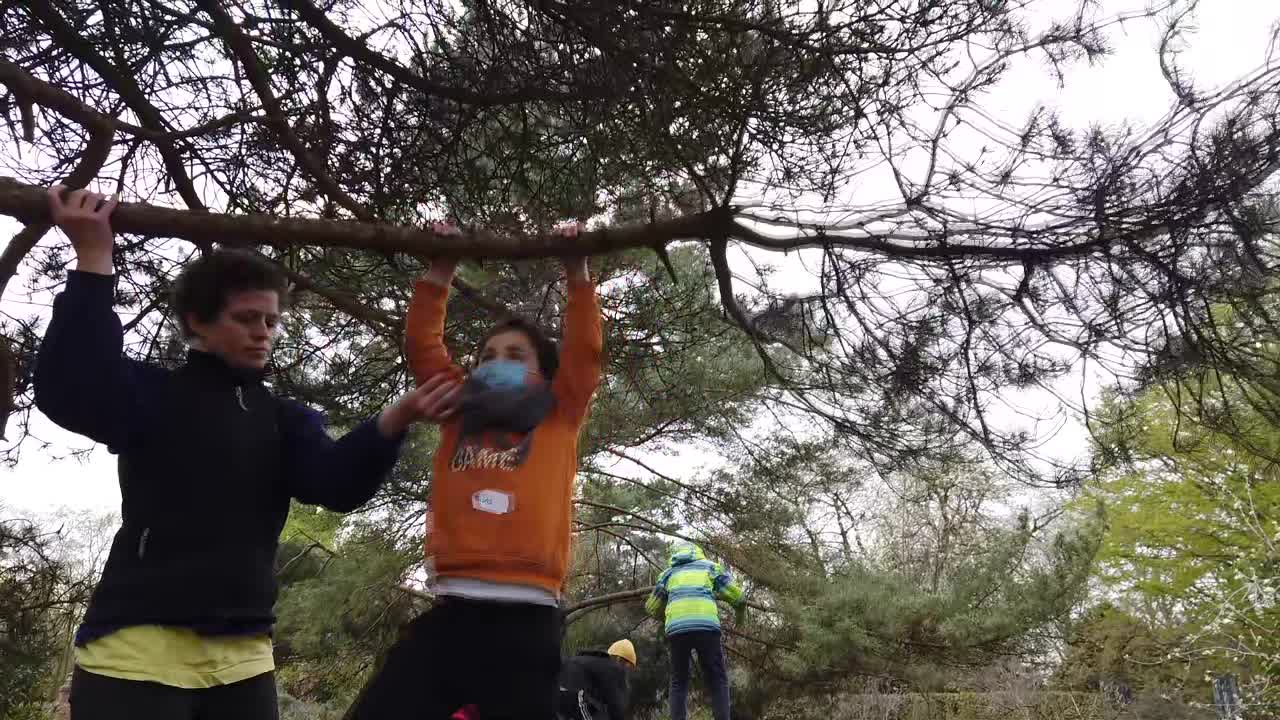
(209,460)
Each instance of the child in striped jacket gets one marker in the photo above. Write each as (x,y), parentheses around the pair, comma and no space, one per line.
(684,598)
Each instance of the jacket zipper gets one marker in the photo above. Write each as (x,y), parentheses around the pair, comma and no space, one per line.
(240,398)
(142,542)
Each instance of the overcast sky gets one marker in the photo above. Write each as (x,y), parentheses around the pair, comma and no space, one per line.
(1233,38)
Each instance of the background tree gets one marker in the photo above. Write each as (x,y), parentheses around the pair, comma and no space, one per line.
(1192,518)
(1125,658)
(721,120)
(912,591)
(340,608)
(47,570)
(836,416)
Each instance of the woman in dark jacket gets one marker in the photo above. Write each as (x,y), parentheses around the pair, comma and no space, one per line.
(179,624)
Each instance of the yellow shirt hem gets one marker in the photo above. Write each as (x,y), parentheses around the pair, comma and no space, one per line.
(176,657)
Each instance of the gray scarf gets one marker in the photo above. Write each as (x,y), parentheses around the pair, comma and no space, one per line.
(518,411)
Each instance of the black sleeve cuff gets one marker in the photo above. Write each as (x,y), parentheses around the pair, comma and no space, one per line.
(91,286)
(373,439)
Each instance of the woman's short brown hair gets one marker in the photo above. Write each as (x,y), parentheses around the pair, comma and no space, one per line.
(204,286)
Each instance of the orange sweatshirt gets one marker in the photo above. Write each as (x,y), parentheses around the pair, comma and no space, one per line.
(502,504)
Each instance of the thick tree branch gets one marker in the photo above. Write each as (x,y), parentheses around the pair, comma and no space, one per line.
(9,377)
(415,592)
(28,204)
(610,599)
(724,281)
(624,596)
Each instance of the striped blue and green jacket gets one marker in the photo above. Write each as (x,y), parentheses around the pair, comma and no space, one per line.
(686,593)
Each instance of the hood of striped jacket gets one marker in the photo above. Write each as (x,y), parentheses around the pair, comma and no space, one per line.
(685,553)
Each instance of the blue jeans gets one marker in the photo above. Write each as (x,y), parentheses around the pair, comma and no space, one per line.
(714,673)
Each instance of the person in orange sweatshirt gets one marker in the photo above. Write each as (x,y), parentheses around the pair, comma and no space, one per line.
(501,513)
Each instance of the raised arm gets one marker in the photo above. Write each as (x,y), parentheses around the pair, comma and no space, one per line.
(725,588)
(579,374)
(83,381)
(424,324)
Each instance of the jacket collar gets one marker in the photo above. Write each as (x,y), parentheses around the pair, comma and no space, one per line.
(213,366)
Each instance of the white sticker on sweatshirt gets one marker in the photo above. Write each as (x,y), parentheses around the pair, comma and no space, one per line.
(493,501)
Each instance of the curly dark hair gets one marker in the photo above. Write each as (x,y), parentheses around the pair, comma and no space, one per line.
(203,287)
(545,347)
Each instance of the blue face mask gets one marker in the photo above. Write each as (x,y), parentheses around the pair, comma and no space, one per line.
(502,375)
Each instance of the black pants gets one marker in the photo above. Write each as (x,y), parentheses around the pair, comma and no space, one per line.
(711,657)
(98,697)
(502,657)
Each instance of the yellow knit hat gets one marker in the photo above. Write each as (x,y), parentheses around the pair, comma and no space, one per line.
(625,650)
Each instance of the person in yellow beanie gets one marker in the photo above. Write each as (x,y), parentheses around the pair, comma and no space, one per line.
(593,684)
(624,650)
